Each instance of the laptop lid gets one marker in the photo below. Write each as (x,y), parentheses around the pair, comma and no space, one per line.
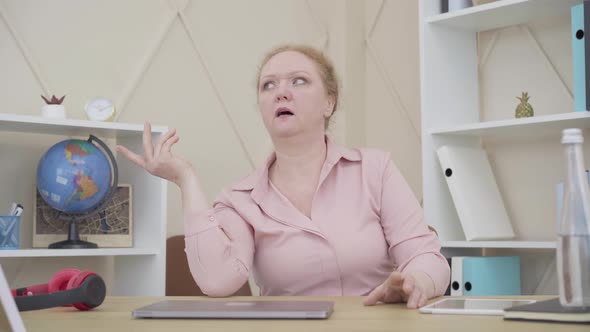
(10,319)
(236,309)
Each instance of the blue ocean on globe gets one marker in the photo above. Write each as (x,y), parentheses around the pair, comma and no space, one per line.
(74,176)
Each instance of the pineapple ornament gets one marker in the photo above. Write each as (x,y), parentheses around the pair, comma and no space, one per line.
(524,109)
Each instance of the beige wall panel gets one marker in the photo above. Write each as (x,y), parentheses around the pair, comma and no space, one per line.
(388,130)
(207,139)
(396,42)
(19,90)
(85,48)
(392,111)
(515,65)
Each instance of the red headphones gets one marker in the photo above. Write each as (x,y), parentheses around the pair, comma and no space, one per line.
(82,289)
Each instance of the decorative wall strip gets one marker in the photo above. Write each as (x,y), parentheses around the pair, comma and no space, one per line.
(25,52)
(393,91)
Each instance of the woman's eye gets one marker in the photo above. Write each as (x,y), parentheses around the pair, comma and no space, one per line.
(268,85)
(299,80)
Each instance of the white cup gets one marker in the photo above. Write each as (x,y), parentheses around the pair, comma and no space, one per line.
(53,111)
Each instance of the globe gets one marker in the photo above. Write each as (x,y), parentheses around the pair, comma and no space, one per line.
(76,178)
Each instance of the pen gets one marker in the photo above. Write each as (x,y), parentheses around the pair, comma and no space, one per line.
(12,209)
(18,210)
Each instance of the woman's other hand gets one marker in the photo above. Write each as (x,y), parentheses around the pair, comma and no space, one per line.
(414,289)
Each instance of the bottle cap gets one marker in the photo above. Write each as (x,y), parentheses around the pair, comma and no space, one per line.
(572,136)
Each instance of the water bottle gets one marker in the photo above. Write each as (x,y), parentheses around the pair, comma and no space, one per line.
(573,247)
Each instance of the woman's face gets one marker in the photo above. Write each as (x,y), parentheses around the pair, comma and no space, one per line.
(292,97)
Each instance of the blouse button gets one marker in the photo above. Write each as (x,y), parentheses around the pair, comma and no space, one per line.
(211,218)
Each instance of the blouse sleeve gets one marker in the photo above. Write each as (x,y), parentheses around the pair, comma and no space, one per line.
(219,246)
(412,246)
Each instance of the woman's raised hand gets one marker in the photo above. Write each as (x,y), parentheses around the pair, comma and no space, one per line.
(159,160)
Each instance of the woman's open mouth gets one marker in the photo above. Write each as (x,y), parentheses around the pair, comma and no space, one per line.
(283,112)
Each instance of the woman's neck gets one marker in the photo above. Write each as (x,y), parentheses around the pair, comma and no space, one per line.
(299,157)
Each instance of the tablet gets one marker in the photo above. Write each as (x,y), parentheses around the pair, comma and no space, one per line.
(236,309)
(472,306)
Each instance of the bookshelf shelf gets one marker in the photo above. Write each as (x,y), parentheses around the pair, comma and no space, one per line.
(78,252)
(501,14)
(500,244)
(525,127)
(71,127)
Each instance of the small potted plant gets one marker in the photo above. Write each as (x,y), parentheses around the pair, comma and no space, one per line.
(53,107)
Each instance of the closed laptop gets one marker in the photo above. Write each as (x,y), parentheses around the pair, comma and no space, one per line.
(236,309)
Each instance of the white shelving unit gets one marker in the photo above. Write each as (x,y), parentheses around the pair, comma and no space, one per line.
(139,270)
(450,102)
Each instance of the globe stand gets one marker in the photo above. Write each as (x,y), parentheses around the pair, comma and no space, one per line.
(73,241)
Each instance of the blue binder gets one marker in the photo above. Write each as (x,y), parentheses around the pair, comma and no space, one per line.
(581,52)
(487,276)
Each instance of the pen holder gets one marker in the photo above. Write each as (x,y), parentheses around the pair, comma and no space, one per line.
(9,232)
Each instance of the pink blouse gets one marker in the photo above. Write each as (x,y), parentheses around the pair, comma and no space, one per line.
(365,223)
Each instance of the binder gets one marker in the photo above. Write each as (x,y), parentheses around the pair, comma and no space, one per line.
(580,18)
(475,193)
(457,276)
(485,276)
(448,291)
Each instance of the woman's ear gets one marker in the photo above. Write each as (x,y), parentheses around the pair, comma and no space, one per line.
(330,107)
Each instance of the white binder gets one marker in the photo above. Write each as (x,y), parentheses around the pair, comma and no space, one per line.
(475,193)
(456,276)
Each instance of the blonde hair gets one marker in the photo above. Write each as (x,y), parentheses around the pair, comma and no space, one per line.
(323,64)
